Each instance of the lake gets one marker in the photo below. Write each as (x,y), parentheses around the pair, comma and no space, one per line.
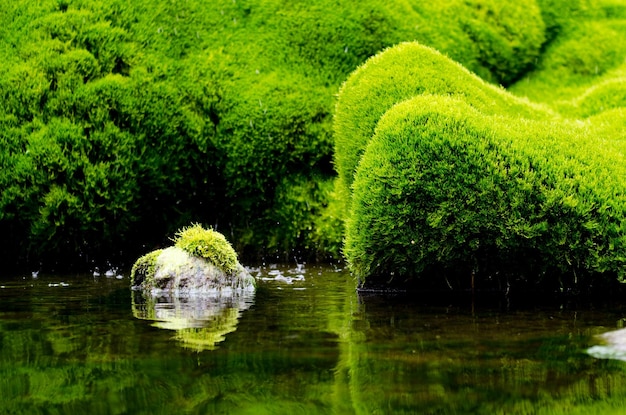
(305,343)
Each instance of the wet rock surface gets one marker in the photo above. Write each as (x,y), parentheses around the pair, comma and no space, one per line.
(173,271)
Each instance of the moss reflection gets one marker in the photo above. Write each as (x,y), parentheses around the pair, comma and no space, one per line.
(310,347)
(199,322)
(406,358)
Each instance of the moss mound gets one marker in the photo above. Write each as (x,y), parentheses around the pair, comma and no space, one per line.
(401,73)
(459,177)
(208,244)
(584,47)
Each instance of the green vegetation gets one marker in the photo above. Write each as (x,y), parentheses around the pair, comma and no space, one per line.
(208,244)
(449,181)
(399,74)
(584,48)
(142,272)
(465,178)
(120,122)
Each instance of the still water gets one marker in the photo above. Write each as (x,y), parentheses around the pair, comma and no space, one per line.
(306,343)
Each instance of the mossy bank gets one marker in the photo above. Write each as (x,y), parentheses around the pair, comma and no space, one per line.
(455,182)
(122,121)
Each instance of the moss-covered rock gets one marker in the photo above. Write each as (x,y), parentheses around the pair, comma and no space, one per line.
(202,262)
(207,244)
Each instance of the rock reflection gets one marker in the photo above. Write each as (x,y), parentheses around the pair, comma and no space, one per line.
(613,347)
(200,322)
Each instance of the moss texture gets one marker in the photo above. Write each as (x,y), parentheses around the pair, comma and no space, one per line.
(142,272)
(398,74)
(208,244)
(465,178)
(122,121)
(584,47)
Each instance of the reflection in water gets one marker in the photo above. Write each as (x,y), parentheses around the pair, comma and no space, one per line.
(461,359)
(200,321)
(613,347)
(309,345)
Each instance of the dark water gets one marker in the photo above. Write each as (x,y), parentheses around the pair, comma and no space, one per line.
(306,343)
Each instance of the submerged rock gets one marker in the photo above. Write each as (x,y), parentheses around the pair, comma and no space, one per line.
(613,347)
(201,262)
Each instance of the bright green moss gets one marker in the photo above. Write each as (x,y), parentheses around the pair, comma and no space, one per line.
(207,244)
(453,183)
(160,114)
(507,36)
(443,186)
(400,73)
(599,98)
(585,47)
(142,273)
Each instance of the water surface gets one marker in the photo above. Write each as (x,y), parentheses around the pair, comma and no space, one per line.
(306,343)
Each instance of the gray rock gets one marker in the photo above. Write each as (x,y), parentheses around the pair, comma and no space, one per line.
(175,272)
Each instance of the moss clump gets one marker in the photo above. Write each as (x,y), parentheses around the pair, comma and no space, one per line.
(584,47)
(144,268)
(207,244)
(459,177)
(400,73)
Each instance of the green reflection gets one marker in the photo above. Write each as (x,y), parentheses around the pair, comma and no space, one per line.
(311,346)
(199,322)
(447,360)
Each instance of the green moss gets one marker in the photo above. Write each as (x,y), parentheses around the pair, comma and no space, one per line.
(158,115)
(603,96)
(450,182)
(142,273)
(585,49)
(507,36)
(207,244)
(400,73)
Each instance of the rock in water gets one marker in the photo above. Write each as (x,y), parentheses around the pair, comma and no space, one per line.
(197,288)
(201,262)
(174,271)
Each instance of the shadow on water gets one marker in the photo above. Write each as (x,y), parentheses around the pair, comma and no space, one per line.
(308,343)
